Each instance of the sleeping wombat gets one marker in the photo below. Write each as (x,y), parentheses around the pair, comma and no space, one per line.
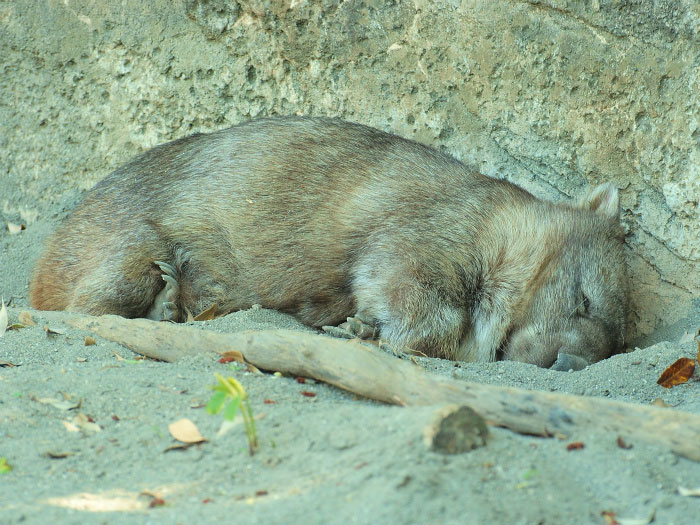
(326,219)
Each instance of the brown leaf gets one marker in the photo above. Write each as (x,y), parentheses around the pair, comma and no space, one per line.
(679,372)
(576,445)
(208,314)
(234,355)
(156,502)
(622,443)
(26,319)
(308,394)
(89,341)
(186,431)
(231,356)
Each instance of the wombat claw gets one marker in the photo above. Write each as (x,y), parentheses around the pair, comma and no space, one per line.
(165,304)
(359,328)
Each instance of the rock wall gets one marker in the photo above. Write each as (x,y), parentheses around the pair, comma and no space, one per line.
(552,95)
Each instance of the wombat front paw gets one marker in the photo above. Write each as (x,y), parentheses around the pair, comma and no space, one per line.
(337,331)
(165,304)
(353,328)
(359,328)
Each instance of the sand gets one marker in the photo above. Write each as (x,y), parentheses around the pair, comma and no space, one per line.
(331,458)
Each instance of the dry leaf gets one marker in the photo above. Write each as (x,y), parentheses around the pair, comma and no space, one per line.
(70,427)
(234,355)
(112,501)
(208,314)
(622,443)
(26,319)
(57,455)
(179,446)
(186,431)
(50,331)
(14,229)
(3,317)
(89,341)
(679,372)
(658,402)
(230,356)
(638,521)
(576,445)
(689,492)
(6,363)
(57,403)
(85,424)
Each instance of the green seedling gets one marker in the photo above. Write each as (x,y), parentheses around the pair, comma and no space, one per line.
(230,397)
(5,467)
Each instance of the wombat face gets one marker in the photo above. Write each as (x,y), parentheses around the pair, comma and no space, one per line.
(579,309)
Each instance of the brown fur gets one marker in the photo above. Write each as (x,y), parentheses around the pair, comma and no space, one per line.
(326,219)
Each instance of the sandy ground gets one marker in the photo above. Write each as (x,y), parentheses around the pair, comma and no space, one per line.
(332,458)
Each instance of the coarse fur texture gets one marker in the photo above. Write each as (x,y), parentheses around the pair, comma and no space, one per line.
(326,219)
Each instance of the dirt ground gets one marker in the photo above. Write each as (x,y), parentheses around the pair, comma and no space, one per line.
(331,458)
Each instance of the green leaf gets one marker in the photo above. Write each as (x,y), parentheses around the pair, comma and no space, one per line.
(216,403)
(530,474)
(5,467)
(232,409)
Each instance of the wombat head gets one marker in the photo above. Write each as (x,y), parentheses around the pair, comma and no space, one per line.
(579,307)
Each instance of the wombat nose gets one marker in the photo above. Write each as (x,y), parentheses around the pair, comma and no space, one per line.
(566,362)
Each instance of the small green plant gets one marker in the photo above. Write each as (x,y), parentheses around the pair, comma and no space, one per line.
(5,467)
(230,396)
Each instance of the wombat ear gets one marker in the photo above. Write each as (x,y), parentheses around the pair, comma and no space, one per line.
(603,199)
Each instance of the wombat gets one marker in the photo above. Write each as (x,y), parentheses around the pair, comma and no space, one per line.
(326,219)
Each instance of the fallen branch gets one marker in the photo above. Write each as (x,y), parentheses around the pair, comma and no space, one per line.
(356,367)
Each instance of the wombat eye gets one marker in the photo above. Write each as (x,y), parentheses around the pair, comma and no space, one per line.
(585,304)
(582,305)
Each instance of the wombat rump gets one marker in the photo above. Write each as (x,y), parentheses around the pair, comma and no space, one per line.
(325,219)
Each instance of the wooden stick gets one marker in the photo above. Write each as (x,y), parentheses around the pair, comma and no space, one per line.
(356,367)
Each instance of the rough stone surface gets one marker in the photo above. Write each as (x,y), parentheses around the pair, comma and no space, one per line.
(552,95)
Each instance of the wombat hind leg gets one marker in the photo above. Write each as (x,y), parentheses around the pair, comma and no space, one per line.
(164,306)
